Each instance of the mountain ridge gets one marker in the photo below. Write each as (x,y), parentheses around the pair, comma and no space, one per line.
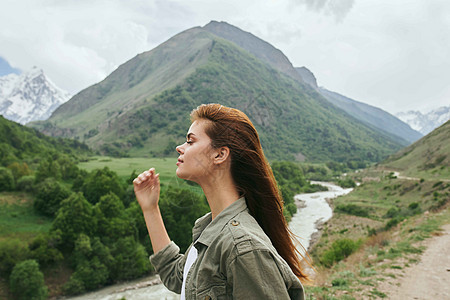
(366,113)
(258,47)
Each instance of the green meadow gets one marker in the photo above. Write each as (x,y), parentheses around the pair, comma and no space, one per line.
(124,167)
(18,219)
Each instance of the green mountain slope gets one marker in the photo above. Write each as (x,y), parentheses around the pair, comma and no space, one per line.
(196,67)
(18,142)
(428,157)
(259,48)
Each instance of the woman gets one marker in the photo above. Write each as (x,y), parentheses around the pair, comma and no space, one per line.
(243,248)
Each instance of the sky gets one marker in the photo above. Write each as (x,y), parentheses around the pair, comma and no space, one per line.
(390,54)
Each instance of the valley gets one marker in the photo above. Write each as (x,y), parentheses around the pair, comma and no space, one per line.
(69,218)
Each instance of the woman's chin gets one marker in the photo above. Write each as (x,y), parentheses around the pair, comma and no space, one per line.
(180,174)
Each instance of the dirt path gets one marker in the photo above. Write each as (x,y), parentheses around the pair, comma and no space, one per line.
(430,278)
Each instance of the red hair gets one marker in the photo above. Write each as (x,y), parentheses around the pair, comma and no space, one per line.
(253,176)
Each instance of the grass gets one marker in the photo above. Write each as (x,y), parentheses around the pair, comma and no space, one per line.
(18,218)
(166,167)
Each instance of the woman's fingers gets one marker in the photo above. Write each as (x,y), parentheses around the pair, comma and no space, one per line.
(146,177)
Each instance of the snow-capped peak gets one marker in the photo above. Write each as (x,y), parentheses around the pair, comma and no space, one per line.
(425,123)
(30,96)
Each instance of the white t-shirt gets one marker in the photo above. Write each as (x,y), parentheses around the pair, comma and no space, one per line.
(192,256)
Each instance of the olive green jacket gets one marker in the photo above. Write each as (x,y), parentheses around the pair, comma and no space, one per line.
(236,260)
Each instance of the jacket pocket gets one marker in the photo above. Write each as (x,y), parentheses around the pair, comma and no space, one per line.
(214,292)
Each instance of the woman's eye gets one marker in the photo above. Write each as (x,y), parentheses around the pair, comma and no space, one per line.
(189,142)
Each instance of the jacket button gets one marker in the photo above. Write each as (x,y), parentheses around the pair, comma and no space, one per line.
(234,223)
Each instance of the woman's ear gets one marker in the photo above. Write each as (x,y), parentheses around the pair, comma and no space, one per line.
(221,155)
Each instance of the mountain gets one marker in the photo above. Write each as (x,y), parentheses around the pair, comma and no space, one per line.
(143,107)
(368,114)
(425,123)
(430,154)
(30,96)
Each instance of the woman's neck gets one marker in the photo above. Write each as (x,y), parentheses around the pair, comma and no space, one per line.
(220,191)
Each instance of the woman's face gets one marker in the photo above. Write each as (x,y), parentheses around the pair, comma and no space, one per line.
(196,154)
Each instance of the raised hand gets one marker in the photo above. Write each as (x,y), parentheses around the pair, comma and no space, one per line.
(146,188)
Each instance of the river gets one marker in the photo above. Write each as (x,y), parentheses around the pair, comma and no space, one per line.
(313,210)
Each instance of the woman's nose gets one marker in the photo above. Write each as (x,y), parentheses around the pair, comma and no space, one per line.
(179,149)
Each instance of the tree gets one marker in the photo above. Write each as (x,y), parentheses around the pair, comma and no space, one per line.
(74,217)
(48,167)
(180,207)
(101,182)
(6,180)
(19,170)
(12,251)
(111,219)
(130,259)
(27,281)
(49,195)
(44,248)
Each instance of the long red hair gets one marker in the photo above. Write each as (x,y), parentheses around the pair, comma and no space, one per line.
(253,176)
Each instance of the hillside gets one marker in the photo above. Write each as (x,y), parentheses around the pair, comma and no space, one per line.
(18,142)
(373,116)
(429,156)
(256,46)
(142,108)
(380,231)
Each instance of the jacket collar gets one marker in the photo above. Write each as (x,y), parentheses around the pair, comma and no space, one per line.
(205,230)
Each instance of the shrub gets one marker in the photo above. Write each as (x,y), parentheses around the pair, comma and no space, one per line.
(27,281)
(44,248)
(6,180)
(352,209)
(393,222)
(392,212)
(339,282)
(12,252)
(346,183)
(413,205)
(292,208)
(25,184)
(339,250)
